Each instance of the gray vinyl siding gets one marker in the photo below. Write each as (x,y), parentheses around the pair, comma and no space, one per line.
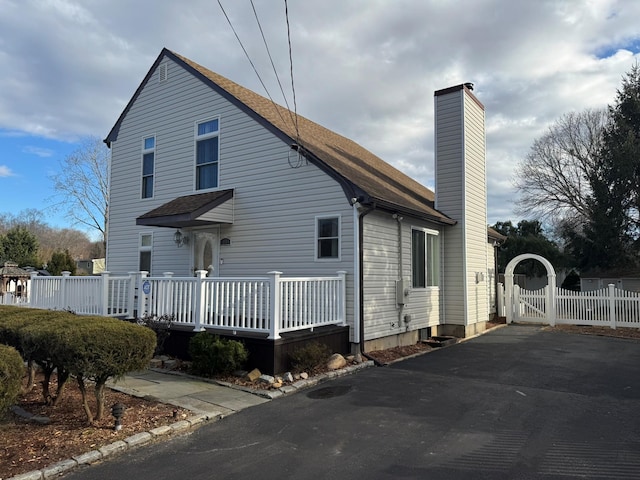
(450,200)
(382,266)
(475,211)
(274,205)
(461,194)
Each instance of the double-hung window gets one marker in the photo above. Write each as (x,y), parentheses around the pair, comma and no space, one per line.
(145,249)
(425,258)
(148,166)
(328,238)
(207,153)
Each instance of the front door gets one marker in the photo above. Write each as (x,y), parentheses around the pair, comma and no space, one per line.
(205,252)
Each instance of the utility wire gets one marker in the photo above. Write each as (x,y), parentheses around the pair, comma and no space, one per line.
(293,88)
(251,62)
(272,64)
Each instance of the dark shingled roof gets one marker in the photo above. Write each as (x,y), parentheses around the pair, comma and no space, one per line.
(361,173)
(184,211)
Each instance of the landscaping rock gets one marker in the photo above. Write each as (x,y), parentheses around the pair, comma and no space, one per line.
(266,379)
(336,361)
(304,375)
(287,377)
(253,375)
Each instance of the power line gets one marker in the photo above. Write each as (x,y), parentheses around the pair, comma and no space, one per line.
(251,62)
(271,60)
(293,88)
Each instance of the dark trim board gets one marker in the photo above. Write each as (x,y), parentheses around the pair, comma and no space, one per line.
(269,356)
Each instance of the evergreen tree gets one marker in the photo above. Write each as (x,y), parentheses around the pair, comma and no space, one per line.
(20,246)
(61,262)
(611,236)
(527,237)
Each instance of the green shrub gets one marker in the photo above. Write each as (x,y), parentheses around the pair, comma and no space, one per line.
(100,348)
(161,326)
(11,373)
(309,357)
(212,355)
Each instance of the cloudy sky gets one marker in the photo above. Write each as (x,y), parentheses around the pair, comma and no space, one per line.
(366,69)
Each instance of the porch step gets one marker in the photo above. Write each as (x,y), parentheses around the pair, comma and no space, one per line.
(441,341)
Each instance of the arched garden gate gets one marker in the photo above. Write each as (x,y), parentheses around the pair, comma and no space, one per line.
(533,306)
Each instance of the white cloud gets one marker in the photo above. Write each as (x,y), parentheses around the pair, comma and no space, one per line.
(364,68)
(40,152)
(5,171)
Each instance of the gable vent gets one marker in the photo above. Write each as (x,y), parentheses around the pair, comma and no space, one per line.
(162,73)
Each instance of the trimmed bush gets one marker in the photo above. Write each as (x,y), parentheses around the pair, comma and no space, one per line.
(212,355)
(309,357)
(11,373)
(90,348)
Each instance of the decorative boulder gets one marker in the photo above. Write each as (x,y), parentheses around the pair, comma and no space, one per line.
(336,361)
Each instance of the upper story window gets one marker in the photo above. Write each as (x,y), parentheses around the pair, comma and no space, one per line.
(207,153)
(425,258)
(148,166)
(328,238)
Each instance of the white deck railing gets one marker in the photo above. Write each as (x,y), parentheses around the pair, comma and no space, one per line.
(270,305)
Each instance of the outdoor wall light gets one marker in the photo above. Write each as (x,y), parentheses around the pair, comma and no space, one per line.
(117,410)
(180,239)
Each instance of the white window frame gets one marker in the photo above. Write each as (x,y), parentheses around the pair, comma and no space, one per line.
(145,248)
(317,238)
(146,151)
(198,138)
(431,259)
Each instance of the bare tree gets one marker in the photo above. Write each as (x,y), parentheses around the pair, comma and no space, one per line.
(553,178)
(82,185)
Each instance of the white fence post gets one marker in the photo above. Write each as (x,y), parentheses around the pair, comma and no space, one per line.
(500,295)
(276,297)
(612,305)
(343,294)
(63,291)
(144,289)
(199,306)
(131,301)
(515,306)
(104,303)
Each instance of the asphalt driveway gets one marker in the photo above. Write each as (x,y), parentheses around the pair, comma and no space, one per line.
(516,403)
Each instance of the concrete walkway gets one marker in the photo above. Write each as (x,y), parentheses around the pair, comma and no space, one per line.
(201,397)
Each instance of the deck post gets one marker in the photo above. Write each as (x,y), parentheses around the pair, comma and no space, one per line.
(144,289)
(200,296)
(131,301)
(104,296)
(612,305)
(343,296)
(275,309)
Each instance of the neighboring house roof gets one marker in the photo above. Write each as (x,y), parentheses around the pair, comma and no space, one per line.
(495,235)
(186,211)
(362,174)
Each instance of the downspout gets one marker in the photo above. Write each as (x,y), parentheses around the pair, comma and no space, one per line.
(398,218)
(359,291)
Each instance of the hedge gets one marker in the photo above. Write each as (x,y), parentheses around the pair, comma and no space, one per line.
(11,373)
(89,348)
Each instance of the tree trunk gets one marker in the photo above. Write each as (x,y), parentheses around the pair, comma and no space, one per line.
(99,391)
(46,394)
(85,403)
(63,376)
(31,378)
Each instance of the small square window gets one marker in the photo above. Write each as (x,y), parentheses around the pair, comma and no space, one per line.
(328,238)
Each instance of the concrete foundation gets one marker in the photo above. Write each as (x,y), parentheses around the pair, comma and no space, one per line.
(462,331)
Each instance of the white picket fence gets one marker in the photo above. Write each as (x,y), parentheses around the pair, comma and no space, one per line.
(270,305)
(609,306)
